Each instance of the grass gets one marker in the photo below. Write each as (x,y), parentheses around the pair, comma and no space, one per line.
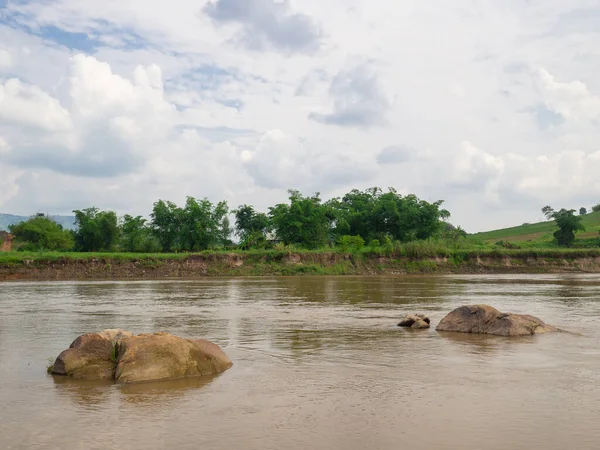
(539,234)
(50,366)
(297,261)
(430,248)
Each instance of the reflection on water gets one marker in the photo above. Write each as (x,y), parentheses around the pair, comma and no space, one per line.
(318,363)
(91,393)
(161,393)
(85,393)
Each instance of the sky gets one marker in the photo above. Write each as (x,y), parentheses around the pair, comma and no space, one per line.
(493,107)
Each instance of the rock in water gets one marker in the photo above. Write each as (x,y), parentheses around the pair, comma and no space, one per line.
(90,356)
(420,324)
(119,355)
(485,319)
(115,335)
(161,356)
(415,321)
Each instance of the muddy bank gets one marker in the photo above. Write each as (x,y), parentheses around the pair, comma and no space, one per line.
(286,264)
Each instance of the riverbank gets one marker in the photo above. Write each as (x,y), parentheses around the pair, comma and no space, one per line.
(18,266)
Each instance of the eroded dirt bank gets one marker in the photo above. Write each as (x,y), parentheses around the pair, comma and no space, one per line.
(196,266)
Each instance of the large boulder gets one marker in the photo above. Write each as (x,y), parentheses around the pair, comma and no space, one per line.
(162,356)
(485,319)
(121,356)
(90,356)
(115,335)
(417,321)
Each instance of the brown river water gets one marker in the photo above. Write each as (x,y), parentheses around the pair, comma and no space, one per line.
(319,363)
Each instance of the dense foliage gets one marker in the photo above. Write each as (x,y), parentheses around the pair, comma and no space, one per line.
(136,236)
(305,221)
(251,227)
(199,225)
(359,217)
(42,233)
(567,222)
(373,214)
(96,230)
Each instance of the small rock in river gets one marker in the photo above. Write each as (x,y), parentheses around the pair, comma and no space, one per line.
(415,321)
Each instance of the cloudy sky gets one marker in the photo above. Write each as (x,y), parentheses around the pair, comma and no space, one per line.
(493,106)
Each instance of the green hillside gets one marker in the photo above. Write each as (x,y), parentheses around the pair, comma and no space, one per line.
(537,233)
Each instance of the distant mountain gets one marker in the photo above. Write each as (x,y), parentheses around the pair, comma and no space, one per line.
(68,222)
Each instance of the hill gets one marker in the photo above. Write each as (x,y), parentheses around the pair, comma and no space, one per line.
(68,222)
(537,232)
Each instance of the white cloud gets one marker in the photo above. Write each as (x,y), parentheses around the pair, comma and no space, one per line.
(26,104)
(9,186)
(475,169)
(4,147)
(6,60)
(282,161)
(163,102)
(572,100)
(358,99)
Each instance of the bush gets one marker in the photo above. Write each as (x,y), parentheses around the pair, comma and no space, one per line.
(374,243)
(568,224)
(42,233)
(351,242)
(509,245)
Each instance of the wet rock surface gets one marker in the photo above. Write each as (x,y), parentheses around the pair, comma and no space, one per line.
(484,319)
(416,321)
(124,357)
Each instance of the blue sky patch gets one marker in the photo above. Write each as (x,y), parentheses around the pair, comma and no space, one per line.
(546,118)
(74,41)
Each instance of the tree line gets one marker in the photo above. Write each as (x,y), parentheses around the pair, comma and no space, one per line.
(372,217)
(567,223)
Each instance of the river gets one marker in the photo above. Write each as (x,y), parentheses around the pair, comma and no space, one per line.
(319,363)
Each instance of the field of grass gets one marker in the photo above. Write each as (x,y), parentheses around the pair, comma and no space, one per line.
(538,234)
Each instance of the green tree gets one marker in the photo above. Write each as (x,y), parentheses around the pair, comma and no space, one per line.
(304,221)
(582,211)
(596,208)
(167,220)
(136,235)
(373,214)
(225,231)
(251,227)
(204,225)
(548,212)
(199,225)
(96,230)
(568,224)
(454,234)
(42,233)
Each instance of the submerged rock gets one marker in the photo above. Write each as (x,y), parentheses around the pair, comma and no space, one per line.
(485,319)
(420,324)
(121,356)
(163,356)
(115,335)
(89,357)
(415,321)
